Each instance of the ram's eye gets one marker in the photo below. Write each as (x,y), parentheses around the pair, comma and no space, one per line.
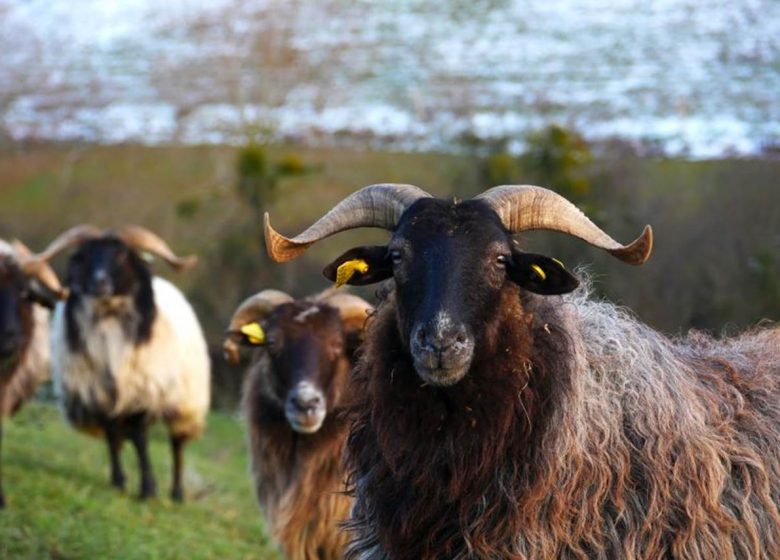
(395,256)
(502,260)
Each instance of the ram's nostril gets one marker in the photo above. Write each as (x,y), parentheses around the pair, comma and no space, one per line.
(440,339)
(307,402)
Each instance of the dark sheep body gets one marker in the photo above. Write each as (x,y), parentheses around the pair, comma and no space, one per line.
(24,332)
(580,434)
(493,419)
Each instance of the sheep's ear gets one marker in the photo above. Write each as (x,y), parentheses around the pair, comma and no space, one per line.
(250,334)
(253,334)
(540,274)
(360,266)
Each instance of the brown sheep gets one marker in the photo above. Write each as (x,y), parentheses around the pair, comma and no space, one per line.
(494,419)
(28,289)
(292,394)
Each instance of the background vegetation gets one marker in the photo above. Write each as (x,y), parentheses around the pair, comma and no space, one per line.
(716,263)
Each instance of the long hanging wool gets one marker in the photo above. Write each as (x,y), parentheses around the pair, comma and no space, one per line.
(586,435)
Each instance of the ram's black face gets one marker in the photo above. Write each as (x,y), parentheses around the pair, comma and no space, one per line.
(16,298)
(450,262)
(448,269)
(104,268)
(306,345)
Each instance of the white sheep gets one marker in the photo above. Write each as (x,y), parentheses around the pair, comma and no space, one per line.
(127,348)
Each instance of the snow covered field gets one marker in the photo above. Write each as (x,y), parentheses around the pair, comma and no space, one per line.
(687,77)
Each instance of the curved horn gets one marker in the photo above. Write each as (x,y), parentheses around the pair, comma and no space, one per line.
(38,268)
(69,238)
(21,249)
(353,309)
(527,207)
(144,240)
(378,205)
(251,309)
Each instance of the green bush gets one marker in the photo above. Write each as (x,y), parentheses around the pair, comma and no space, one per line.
(558,158)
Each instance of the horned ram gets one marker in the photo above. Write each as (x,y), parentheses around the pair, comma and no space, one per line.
(293,392)
(495,417)
(127,348)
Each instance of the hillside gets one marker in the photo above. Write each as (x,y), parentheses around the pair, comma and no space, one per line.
(690,78)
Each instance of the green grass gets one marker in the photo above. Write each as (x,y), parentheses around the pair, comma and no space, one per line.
(60,505)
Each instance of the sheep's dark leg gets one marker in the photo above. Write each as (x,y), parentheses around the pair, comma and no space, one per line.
(2,497)
(177,448)
(114,438)
(137,431)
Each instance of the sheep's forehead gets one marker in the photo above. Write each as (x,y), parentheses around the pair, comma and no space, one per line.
(102,247)
(305,315)
(472,220)
(302,316)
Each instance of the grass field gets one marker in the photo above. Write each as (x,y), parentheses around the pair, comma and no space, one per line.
(60,505)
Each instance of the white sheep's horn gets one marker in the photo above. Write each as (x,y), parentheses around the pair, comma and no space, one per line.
(528,207)
(69,238)
(142,239)
(35,267)
(253,308)
(379,205)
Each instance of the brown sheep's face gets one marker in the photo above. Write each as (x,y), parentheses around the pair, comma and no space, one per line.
(450,262)
(306,345)
(16,298)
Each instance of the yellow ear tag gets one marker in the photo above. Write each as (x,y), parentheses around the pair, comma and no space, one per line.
(539,271)
(559,263)
(254,333)
(347,270)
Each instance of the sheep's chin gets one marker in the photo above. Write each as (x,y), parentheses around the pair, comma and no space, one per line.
(109,304)
(441,377)
(306,423)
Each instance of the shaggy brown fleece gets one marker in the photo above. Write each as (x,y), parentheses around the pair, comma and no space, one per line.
(579,433)
(299,479)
